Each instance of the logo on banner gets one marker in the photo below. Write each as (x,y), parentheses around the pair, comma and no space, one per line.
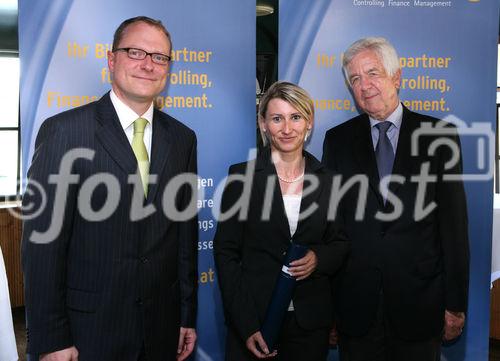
(481,134)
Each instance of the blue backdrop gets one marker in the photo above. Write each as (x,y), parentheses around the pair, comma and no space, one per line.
(54,63)
(466,32)
(464,35)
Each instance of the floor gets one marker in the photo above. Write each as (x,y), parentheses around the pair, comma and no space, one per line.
(20,331)
(494,350)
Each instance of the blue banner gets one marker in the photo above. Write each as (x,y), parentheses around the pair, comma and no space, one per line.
(448,53)
(211,88)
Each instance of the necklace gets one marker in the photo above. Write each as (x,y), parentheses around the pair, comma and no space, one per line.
(291,180)
(303,166)
(294,179)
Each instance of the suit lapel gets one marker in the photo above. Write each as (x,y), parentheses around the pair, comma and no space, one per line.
(365,155)
(160,151)
(403,162)
(265,170)
(112,137)
(313,168)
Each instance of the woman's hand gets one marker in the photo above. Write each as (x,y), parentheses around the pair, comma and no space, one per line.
(302,268)
(257,340)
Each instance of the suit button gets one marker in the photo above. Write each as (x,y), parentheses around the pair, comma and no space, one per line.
(138,301)
(144,260)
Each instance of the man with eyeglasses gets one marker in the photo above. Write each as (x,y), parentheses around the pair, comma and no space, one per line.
(123,287)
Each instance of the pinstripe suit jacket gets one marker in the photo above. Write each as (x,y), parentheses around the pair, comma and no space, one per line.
(108,286)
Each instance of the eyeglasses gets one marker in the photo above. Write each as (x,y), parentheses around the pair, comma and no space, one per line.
(139,54)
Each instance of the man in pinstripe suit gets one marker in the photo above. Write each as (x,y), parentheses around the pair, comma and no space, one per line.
(108,274)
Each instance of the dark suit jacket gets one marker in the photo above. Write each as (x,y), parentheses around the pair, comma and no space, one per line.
(112,285)
(249,251)
(422,266)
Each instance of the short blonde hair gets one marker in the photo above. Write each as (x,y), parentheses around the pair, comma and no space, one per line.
(292,94)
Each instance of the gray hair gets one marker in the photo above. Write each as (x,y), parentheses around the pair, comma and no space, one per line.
(381,46)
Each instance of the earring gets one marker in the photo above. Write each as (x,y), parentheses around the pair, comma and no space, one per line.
(308,133)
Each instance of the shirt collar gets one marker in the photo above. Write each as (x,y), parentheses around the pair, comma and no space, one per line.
(126,115)
(396,117)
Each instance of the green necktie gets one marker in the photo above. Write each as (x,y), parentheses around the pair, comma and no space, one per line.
(140,151)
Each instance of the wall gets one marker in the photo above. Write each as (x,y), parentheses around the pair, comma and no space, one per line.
(10,242)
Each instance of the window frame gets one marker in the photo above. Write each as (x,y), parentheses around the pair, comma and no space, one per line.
(17,196)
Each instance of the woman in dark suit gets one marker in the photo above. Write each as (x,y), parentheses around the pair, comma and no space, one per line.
(278,198)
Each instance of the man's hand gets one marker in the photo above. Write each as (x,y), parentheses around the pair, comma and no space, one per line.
(453,324)
(68,354)
(256,339)
(302,268)
(187,340)
(333,338)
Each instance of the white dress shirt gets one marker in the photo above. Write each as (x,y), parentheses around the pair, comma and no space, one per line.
(292,210)
(396,118)
(127,118)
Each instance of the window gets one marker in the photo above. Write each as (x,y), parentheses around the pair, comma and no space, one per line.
(9,102)
(497,143)
(497,150)
(9,126)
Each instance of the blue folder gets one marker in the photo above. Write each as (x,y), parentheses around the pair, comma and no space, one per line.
(282,295)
